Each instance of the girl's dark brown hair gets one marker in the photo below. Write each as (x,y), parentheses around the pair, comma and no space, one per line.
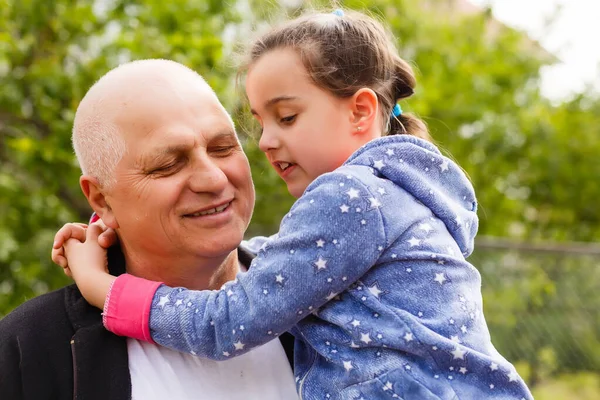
(343,54)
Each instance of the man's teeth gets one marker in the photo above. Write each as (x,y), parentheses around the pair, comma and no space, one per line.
(211,211)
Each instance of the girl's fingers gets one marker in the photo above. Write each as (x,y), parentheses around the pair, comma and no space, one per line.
(68,231)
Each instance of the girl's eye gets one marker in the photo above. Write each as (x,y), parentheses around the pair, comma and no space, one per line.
(289,119)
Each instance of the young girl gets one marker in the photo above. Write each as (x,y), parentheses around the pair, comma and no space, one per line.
(368,270)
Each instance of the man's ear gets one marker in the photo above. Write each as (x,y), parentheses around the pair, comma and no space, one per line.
(96,197)
(365,109)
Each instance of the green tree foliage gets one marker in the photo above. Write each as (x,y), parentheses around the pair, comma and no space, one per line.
(533,163)
(50,54)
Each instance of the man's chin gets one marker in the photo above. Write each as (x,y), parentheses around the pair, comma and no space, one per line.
(218,245)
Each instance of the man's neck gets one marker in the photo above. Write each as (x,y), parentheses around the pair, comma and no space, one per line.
(192,274)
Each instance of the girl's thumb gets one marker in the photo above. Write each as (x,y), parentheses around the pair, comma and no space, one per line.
(92,232)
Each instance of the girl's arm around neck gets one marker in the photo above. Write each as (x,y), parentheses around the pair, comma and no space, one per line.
(322,248)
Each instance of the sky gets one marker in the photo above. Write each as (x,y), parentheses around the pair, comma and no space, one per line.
(573,36)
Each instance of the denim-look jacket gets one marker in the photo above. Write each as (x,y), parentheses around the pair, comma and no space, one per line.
(368,272)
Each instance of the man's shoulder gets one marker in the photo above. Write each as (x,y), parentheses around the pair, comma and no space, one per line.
(35,347)
(41,313)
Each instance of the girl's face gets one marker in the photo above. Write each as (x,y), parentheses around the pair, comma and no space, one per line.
(306,130)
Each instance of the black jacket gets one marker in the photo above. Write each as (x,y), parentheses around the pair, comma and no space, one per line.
(55,347)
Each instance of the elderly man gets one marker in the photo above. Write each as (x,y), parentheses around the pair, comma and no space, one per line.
(163,167)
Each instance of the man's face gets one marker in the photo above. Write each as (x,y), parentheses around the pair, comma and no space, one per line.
(183,188)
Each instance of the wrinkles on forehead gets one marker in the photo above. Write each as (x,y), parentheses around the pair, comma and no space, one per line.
(168,115)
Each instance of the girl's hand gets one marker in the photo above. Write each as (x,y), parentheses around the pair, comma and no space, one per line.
(88,265)
(78,231)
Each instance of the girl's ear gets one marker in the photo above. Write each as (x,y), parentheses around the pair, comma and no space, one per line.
(365,109)
(97,200)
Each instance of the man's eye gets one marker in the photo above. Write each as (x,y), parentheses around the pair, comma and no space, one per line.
(165,169)
(289,119)
(223,150)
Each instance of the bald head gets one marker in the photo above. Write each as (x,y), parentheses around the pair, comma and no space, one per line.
(104,115)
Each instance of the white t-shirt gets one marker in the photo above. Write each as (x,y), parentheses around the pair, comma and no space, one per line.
(160,373)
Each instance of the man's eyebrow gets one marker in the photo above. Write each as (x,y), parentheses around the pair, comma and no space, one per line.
(274,101)
(226,133)
(172,149)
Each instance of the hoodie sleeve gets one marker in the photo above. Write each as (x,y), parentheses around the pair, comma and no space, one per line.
(333,234)
(253,245)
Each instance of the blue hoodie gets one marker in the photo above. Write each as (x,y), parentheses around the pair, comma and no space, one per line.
(368,272)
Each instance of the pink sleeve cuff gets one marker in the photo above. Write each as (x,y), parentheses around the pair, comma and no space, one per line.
(127,307)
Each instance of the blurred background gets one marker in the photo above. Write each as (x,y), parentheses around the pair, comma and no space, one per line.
(510,89)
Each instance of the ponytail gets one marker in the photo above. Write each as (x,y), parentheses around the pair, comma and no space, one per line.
(403,84)
(408,124)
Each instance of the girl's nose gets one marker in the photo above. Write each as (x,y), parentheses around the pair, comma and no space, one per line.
(268,140)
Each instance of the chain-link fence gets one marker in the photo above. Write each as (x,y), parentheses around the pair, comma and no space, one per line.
(542,305)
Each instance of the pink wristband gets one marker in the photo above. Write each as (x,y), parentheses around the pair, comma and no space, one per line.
(127,307)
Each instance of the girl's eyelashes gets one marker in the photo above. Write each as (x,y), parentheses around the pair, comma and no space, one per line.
(289,119)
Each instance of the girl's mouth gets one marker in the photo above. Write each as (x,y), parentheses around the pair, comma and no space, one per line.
(284,168)
(283,165)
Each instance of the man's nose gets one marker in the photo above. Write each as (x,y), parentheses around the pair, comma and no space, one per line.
(207,176)
(268,139)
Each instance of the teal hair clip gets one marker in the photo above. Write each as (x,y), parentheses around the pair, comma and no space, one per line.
(338,12)
(397,110)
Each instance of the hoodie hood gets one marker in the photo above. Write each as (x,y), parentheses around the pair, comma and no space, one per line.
(432,179)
